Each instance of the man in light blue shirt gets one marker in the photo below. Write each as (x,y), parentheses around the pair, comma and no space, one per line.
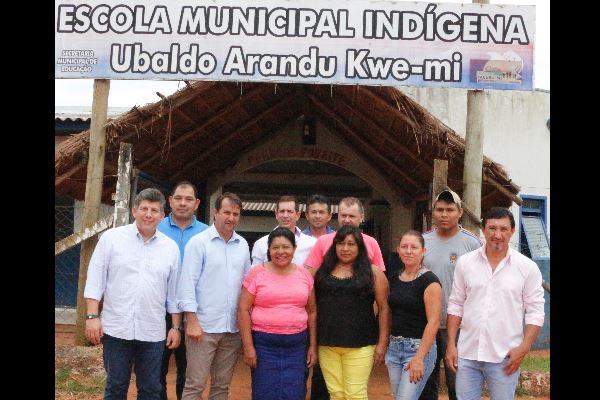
(180,225)
(134,267)
(208,291)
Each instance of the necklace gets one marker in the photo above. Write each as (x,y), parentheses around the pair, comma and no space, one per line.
(415,276)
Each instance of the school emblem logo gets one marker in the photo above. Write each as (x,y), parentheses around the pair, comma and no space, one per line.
(453,257)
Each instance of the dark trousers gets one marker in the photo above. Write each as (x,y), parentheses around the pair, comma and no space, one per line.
(318,388)
(280,364)
(180,363)
(432,387)
(120,355)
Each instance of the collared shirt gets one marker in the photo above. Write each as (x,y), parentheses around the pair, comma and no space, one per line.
(492,305)
(181,237)
(303,245)
(211,279)
(308,231)
(441,257)
(315,258)
(137,278)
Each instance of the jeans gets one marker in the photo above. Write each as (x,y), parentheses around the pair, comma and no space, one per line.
(431,389)
(400,351)
(471,374)
(280,365)
(180,363)
(119,355)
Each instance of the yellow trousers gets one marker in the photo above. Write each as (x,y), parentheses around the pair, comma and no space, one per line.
(346,370)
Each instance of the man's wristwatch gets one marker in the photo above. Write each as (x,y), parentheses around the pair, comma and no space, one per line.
(178,327)
(91,316)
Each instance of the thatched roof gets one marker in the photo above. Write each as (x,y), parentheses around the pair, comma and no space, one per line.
(203,128)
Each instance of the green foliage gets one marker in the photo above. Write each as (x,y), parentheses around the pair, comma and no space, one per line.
(67,381)
(536,364)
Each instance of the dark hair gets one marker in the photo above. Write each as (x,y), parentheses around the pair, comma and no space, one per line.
(285,199)
(280,232)
(318,198)
(417,234)
(232,197)
(150,194)
(497,213)
(350,201)
(362,272)
(185,183)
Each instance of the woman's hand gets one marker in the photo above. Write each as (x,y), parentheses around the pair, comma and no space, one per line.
(379,355)
(415,366)
(311,356)
(250,356)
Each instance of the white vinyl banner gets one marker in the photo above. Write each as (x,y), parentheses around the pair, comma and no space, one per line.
(325,41)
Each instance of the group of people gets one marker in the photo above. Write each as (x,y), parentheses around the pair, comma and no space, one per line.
(317,299)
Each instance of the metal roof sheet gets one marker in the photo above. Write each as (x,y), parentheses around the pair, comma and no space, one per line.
(266,206)
(83,113)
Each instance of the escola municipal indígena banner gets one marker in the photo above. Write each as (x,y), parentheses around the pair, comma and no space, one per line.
(479,46)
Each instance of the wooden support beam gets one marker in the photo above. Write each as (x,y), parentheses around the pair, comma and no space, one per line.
(322,108)
(393,140)
(221,113)
(66,175)
(451,139)
(73,240)
(93,191)
(385,160)
(180,100)
(377,100)
(502,189)
(121,215)
(179,111)
(439,182)
(283,102)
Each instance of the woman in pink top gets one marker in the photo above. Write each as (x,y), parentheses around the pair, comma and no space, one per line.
(277,319)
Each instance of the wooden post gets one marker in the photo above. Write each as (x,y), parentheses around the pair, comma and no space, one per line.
(93,192)
(473,163)
(440,181)
(121,216)
(134,184)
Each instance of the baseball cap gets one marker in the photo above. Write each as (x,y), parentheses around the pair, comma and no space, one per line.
(449,196)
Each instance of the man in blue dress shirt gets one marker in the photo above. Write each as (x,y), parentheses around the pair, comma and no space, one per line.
(318,214)
(134,267)
(180,225)
(208,291)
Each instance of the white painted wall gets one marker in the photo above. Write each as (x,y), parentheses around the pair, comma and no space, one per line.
(516,135)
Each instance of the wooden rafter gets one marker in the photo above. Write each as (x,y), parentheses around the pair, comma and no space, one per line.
(220,114)
(284,101)
(323,109)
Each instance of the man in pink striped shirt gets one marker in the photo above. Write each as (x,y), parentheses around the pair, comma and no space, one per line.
(494,288)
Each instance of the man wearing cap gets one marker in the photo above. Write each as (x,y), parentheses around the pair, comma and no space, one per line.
(445,244)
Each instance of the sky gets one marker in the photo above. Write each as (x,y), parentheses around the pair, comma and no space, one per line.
(127,93)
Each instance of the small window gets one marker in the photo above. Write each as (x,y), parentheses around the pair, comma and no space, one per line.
(533,237)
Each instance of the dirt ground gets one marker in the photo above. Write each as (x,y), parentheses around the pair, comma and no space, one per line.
(240,385)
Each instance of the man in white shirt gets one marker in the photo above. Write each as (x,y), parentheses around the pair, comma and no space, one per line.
(134,267)
(287,214)
(494,288)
